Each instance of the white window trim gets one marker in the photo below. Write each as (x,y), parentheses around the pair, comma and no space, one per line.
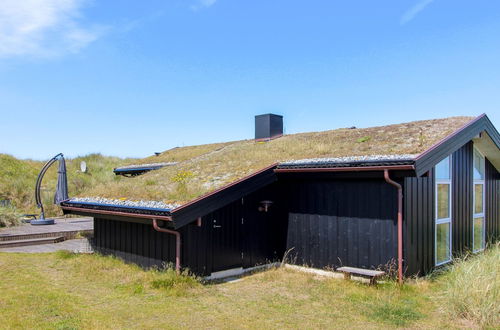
(444,220)
(482,214)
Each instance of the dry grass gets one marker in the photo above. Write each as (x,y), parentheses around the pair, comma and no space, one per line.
(180,154)
(9,217)
(471,288)
(213,166)
(63,290)
(18,177)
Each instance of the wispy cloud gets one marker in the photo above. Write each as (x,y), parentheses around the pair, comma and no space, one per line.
(44,28)
(200,4)
(411,13)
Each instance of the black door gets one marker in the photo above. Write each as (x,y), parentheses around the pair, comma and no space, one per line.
(261,231)
(226,239)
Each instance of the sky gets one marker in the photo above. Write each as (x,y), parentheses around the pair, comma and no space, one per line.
(129,78)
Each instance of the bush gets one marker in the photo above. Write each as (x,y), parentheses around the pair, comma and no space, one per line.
(471,289)
(9,217)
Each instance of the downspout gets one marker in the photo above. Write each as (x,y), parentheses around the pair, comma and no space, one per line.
(177,244)
(400,224)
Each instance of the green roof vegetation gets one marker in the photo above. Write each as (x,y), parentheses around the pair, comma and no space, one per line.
(202,169)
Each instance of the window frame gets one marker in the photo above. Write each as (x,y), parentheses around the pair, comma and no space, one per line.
(448,220)
(483,213)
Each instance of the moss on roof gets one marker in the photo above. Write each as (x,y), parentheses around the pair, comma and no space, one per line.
(204,168)
(180,154)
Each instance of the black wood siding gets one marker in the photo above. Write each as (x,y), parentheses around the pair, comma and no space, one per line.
(264,233)
(342,222)
(205,249)
(418,224)
(419,208)
(419,213)
(492,202)
(462,195)
(141,244)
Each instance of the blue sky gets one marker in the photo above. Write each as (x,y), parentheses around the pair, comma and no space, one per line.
(129,78)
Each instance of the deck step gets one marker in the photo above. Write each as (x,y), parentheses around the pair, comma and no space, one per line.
(32,241)
(65,234)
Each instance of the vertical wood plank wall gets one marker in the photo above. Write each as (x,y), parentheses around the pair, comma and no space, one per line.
(334,222)
(141,244)
(261,240)
(418,224)
(462,199)
(492,203)
(419,208)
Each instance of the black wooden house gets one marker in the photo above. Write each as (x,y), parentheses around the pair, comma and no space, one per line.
(326,212)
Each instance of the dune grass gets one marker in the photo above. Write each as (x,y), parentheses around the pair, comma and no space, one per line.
(470,289)
(18,178)
(212,166)
(68,291)
(9,217)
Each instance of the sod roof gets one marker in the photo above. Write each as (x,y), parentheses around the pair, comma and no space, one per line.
(205,168)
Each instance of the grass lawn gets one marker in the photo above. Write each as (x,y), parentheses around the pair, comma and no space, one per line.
(67,291)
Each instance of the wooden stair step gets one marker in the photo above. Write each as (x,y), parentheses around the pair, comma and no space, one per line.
(32,241)
(65,234)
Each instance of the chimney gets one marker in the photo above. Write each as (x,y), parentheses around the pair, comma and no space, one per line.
(268,127)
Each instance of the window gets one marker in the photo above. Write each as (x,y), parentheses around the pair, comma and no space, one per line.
(478,221)
(443,211)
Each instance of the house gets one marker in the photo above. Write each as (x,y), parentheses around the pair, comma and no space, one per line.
(407,196)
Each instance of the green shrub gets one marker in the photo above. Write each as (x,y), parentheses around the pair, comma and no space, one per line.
(364,139)
(471,288)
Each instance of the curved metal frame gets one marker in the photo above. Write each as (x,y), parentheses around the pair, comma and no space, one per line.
(38,185)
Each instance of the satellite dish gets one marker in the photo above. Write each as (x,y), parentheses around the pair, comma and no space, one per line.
(83,167)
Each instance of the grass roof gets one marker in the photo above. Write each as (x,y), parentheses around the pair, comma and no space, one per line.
(202,169)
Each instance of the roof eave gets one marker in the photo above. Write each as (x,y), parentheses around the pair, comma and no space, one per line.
(437,152)
(345,169)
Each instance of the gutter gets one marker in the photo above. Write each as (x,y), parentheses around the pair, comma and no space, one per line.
(345,169)
(117,213)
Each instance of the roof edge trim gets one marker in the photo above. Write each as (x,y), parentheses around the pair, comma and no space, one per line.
(117,213)
(194,201)
(438,151)
(345,169)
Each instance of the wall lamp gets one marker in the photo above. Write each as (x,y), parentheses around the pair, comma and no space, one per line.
(265,205)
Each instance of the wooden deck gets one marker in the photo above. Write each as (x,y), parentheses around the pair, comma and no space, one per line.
(60,227)
(50,238)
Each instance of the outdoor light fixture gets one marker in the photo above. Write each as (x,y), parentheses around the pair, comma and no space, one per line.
(265,205)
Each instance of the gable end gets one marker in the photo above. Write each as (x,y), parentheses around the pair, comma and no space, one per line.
(429,158)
